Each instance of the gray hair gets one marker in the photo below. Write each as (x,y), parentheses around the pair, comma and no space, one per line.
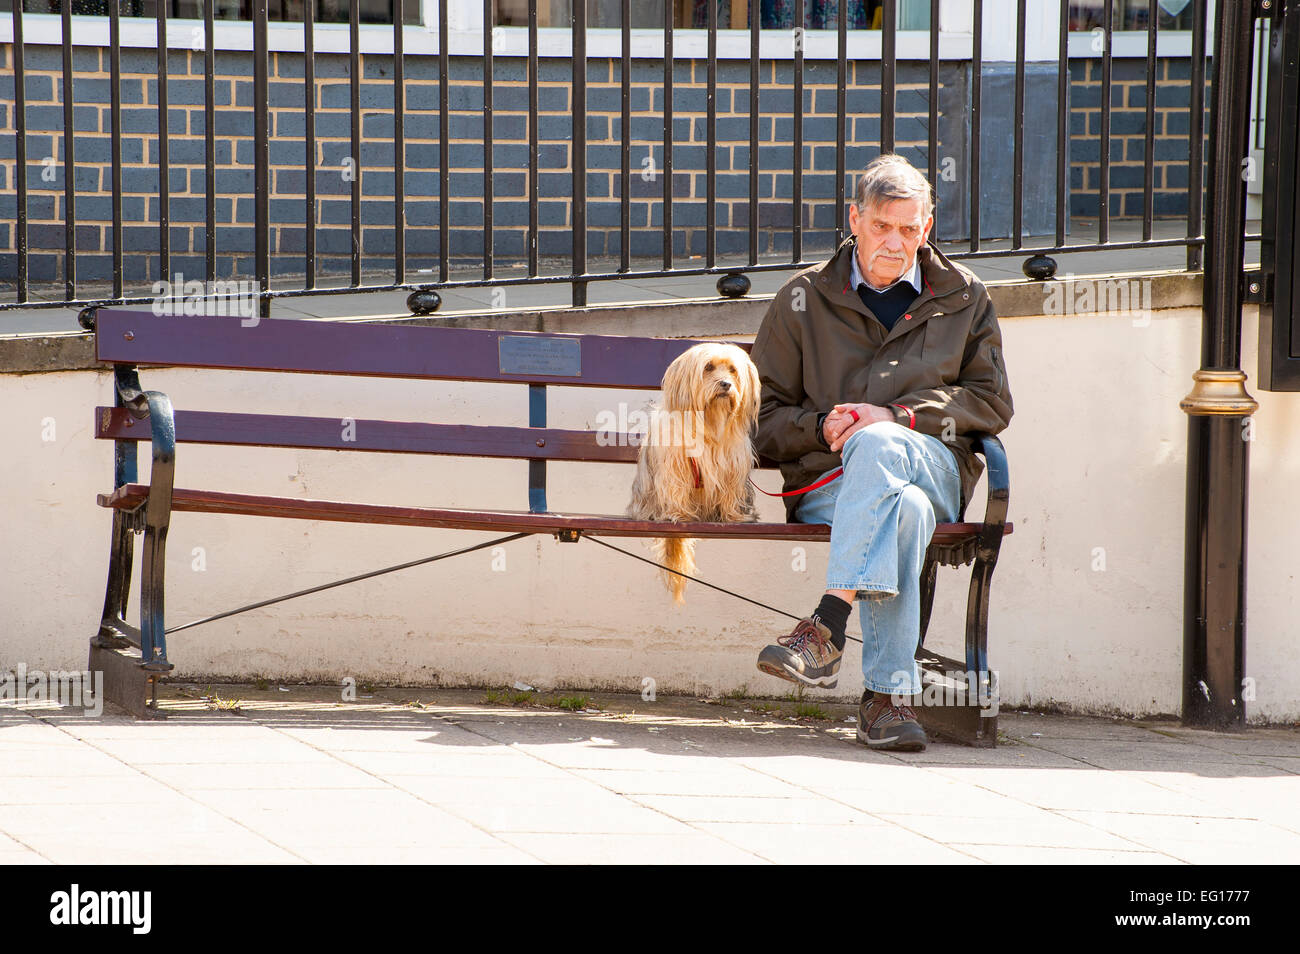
(889,177)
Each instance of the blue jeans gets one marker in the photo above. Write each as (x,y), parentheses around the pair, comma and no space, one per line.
(897,484)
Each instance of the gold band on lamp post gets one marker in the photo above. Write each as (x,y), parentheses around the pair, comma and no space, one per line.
(1219,392)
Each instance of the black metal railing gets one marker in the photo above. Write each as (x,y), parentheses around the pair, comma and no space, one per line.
(528,267)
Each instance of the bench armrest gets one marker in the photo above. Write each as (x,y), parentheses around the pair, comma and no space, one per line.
(155,407)
(999,481)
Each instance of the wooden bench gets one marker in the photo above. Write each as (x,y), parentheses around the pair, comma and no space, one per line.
(129,339)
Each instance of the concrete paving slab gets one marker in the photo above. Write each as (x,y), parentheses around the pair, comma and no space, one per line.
(32,762)
(270,748)
(1044,830)
(930,794)
(452,790)
(1153,830)
(410,777)
(1028,855)
(506,764)
(129,787)
(1275,743)
(1029,726)
(1081,790)
(1133,754)
(658,849)
(643,782)
(414,855)
(183,848)
(592,814)
(343,817)
(422,738)
(741,808)
(262,775)
(1286,763)
(803,843)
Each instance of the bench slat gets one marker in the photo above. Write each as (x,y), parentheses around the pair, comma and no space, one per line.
(398,351)
(505,521)
(399,437)
(410,437)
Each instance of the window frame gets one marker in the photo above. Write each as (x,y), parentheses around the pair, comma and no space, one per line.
(465,17)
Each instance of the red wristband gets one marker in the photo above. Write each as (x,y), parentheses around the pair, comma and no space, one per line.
(911,418)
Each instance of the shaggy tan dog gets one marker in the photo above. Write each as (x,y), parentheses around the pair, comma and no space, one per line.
(695,461)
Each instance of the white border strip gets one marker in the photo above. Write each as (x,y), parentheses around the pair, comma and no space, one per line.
(819,45)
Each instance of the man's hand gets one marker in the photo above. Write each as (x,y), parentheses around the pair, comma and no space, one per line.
(840,425)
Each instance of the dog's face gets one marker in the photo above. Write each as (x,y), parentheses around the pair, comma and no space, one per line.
(717,379)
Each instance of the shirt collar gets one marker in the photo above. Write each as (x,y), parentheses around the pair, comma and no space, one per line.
(913,275)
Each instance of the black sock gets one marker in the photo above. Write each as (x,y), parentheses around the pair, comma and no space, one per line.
(833,613)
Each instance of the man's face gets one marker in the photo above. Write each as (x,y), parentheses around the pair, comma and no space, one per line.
(888,236)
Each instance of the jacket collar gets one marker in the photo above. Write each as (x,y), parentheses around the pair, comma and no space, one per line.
(939,275)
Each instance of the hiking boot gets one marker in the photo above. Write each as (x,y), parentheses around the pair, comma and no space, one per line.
(883,725)
(807,656)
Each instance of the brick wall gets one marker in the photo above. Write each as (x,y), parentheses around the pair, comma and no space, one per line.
(1128,136)
(233,126)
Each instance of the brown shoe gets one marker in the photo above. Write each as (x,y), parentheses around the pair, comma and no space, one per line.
(883,725)
(807,656)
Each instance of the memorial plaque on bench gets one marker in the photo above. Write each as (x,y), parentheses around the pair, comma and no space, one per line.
(550,356)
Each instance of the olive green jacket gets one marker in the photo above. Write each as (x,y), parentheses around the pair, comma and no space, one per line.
(819,346)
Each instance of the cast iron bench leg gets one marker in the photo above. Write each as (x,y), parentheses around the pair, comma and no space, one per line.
(114,631)
(971,721)
(132,682)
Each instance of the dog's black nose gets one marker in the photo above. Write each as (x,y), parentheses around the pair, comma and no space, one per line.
(724,385)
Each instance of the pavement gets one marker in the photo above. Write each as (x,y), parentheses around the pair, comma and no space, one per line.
(246,775)
(516,298)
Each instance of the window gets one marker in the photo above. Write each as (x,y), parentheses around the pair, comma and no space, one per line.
(731,15)
(1131,14)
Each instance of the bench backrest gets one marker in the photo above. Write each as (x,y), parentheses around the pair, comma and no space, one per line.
(534,359)
(393,351)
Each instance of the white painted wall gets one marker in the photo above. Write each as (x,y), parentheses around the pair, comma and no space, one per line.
(1097,451)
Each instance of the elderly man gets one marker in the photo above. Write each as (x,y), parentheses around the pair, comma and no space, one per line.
(881,360)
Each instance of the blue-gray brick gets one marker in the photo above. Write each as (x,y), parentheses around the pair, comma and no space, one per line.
(515,99)
(552,213)
(98,149)
(288,182)
(370,96)
(465,155)
(421,214)
(84,118)
(508,214)
(376,66)
(37,88)
(420,183)
(236,238)
(232,122)
(287,65)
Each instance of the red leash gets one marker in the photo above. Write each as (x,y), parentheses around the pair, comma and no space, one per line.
(695,469)
(833,475)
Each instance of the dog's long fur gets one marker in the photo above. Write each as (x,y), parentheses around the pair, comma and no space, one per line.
(709,411)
